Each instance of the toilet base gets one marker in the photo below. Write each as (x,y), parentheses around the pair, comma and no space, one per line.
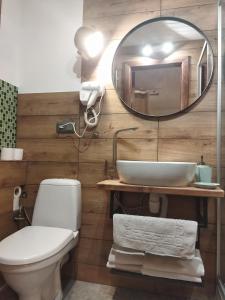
(42,285)
(59,296)
(38,281)
(39,297)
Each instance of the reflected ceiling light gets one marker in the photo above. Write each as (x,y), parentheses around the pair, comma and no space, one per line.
(89,42)
(167,47)
(147,50)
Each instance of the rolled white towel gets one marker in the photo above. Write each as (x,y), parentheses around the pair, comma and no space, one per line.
(119,255)
(158,236)
(190,267)
(122,267)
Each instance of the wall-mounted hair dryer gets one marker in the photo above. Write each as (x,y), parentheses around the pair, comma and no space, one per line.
(89,93)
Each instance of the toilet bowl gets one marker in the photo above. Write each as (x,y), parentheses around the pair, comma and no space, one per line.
(31,258)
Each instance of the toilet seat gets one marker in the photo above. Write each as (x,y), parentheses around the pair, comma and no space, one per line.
(33,244)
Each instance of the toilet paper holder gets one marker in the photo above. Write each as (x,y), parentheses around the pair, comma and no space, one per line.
(19,211)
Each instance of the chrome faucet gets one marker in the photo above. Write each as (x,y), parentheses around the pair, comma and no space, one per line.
(115,144)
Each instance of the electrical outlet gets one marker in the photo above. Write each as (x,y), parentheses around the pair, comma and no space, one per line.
(64,127)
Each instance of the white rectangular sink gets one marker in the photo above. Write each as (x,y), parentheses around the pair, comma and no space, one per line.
(156,173)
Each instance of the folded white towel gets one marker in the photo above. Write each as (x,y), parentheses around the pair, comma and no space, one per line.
(124,250)
(128,268)
(179,266)
(158,236)
(119,255)
(171,276)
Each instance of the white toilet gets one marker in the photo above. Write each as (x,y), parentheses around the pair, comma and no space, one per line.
(31,258)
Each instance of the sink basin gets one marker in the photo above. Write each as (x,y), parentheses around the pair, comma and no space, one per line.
(156,173)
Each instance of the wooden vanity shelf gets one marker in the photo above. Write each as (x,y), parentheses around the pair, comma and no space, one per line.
(114,186)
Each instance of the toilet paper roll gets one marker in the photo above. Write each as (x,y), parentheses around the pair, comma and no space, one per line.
(18,154)
(16,197)
(7,153)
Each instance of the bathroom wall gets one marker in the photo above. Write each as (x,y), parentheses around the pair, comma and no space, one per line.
(9,41)
(37,51)
(48,58)
(181,139)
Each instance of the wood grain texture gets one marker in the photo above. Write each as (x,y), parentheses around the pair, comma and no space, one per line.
(99,150)
(187,150)
(96,226)
(7,225)
(6,200)
(168,4)
(203,16)
(91,173)
(111,123)
(31,192)
(208,102)
(94,201)
(38,171)
(122,7)
(196,125)
(124,23)
(49,149)
(48,104)
(93,252)
(112,104)
(12,174)
(42,126)
(116,185)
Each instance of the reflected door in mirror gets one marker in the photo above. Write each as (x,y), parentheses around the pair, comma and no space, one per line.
(162,67)
(148,88)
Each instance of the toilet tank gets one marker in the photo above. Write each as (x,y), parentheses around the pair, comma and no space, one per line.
(58,204)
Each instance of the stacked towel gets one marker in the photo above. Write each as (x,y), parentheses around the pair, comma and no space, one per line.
(126,256)
(125,259)
(158,236)
(174,268)
(156,247)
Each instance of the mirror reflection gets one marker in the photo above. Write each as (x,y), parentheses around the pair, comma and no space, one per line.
(162,67)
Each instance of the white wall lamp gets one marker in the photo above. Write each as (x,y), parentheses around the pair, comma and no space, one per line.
(89,42)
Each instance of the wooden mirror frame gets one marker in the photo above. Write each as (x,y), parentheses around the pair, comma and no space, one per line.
(129,66)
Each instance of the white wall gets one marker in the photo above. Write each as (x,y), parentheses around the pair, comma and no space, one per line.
(48,54)
(37,51)
(9,41)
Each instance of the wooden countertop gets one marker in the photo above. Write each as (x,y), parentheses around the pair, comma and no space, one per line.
(116,185)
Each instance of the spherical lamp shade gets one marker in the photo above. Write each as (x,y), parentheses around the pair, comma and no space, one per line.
(89,42)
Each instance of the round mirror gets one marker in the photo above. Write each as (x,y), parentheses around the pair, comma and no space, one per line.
(162,67)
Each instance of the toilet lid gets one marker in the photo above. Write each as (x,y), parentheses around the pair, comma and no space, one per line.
(32,244)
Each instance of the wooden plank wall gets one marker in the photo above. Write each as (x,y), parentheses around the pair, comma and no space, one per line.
(50,155)
(183,139)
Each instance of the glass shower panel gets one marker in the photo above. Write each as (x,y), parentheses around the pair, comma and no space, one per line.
(221,87)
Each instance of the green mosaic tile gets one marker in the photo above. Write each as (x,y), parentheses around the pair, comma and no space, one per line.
(8,105)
